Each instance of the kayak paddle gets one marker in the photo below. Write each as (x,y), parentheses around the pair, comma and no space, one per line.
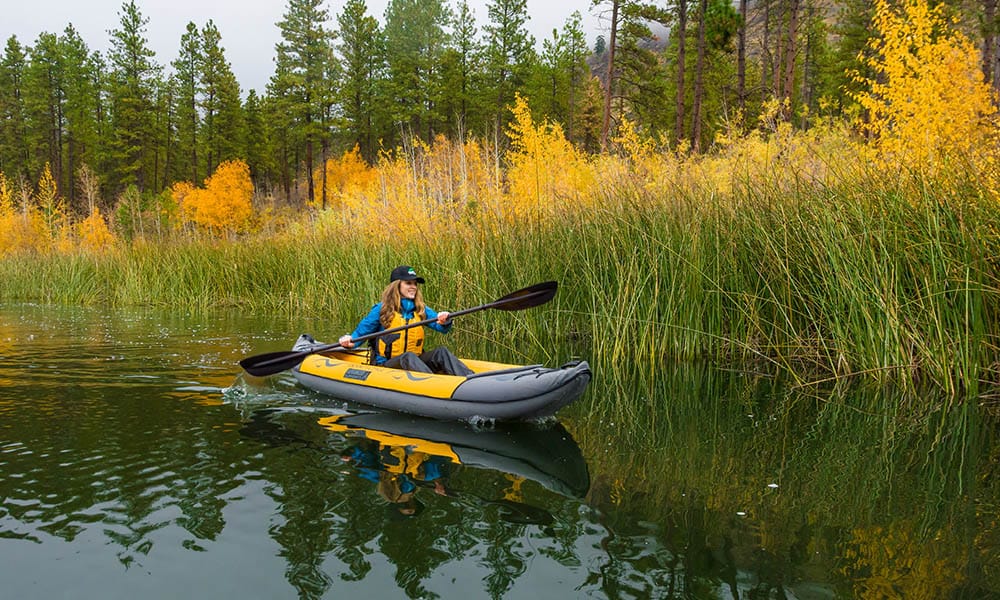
(270,363)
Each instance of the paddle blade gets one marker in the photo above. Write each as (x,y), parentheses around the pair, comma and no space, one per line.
(529,297)
(270,363)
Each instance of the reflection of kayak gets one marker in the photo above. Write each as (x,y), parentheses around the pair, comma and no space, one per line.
(547,456)
(495,391)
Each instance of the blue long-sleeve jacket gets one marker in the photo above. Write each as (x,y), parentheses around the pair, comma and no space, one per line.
(370,323)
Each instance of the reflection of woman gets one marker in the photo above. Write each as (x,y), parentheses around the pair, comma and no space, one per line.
(396,471)
(401,303)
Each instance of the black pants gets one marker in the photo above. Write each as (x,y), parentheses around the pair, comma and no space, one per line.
(439,360)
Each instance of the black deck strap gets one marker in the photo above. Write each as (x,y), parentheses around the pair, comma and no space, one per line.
(503,371)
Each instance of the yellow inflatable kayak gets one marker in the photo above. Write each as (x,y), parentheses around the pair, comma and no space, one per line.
(495,391)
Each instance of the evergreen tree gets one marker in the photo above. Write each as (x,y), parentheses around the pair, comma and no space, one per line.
(81,141)
(361,50)
(133,79)
(548,88)
(299,83)
(44,104)
(186,89)
(415,41)
(578,72)
(257,143)
(13,133)
(561,74)
(462,75)
(221,106)
(641,80)
(510,54)
(852,29)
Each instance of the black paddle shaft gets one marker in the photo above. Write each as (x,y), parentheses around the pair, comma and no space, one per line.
(270,363)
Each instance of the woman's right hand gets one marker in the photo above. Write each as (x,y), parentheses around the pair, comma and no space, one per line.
(345,341)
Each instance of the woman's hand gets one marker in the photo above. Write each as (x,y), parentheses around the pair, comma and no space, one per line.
(442,317)
(345,341)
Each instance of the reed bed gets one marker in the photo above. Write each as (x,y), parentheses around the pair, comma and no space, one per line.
(794,258)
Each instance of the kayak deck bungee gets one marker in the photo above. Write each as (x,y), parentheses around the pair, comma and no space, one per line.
(495,390)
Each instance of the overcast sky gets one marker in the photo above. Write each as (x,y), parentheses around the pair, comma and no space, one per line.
(248,27)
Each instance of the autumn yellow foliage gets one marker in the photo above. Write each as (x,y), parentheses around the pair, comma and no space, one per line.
(927,98)
(224,205)
(545,172)
(27,229)
(93,234)
(348,180)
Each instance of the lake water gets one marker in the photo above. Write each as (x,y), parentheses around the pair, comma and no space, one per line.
(137,462)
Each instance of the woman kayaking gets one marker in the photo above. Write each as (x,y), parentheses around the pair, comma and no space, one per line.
(401,303)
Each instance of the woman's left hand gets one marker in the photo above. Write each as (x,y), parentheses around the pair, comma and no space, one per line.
(442,317)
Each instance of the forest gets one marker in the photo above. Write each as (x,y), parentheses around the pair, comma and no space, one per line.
(127,124)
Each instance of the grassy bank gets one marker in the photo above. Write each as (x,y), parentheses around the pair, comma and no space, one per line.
(891,281)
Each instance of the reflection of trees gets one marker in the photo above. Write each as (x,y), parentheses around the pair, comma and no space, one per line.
(123,461)
(751,487)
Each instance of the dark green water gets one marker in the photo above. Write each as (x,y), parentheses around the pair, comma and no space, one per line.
(136,462)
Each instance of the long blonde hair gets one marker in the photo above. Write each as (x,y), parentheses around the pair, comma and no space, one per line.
(392,302)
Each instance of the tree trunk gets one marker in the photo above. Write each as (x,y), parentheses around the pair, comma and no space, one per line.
(766,57)
(326,149)
(609,86)
(789,61)
(699,80)
(776,71)
(309,170)
(741,59)
(681,64)
(990,41)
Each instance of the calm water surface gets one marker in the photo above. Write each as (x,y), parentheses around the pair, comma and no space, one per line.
(136,462)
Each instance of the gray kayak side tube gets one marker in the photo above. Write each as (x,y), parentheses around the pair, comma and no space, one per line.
(510,396)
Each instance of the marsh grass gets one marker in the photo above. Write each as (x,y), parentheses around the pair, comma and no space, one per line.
(887,277)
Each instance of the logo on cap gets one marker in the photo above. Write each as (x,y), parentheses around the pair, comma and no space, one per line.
(405,273)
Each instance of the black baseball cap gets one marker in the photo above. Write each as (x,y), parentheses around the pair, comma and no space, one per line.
(405,273)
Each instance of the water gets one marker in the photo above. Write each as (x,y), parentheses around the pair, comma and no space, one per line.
(136,461)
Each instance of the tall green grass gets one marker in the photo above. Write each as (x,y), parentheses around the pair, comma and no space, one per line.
(893,281)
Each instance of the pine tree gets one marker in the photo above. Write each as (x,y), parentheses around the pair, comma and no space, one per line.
(510,54)
(223,119)
(578,71)
(415,42)
(81,142)
(186,89)
(559,78)
(44,102)
(462,75)
(300,81)
(13,134)
(361,50)
(257,143)
(133,78)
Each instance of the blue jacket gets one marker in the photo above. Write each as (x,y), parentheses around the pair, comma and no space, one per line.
(370,324)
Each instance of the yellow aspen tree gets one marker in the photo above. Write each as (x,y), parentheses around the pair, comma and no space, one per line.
(224,205)
(8,218)
(49,203)
(348,180)
(545,171)
(927,98)
(94,235)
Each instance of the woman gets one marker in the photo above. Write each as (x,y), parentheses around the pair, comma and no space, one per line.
(401,304)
